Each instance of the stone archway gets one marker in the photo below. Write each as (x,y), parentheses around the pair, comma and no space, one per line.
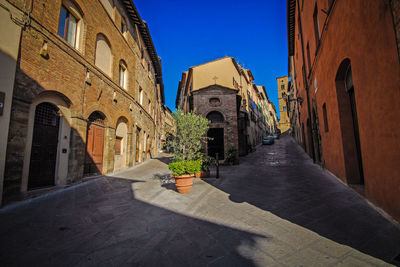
(42,167)
(47,142)
(121,145)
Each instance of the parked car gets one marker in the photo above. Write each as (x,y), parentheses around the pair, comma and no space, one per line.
(269,140)
(277,135)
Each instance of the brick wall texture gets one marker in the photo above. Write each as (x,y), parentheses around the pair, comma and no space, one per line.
(70,74)
(227,107)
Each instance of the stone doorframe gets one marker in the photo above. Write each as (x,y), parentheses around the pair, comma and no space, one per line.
(63,104)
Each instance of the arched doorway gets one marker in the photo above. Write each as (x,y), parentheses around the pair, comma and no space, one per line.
(42,167)
(120,147)
(94,144)
(349,124)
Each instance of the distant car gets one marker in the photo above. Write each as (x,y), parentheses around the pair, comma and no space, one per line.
(277,135)
(269,140)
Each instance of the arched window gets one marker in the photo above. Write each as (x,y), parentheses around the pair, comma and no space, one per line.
(123,74)
(97,117)
(108,6)
(70,23)
(215,116)
(103,54)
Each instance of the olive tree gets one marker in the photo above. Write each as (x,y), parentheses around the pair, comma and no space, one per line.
(191,131)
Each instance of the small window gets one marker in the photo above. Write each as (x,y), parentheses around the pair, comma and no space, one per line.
(67,27)
(325,117)
(140,96)
(123,25)
(215,101)
(283,87)
(118,145)
(122,75)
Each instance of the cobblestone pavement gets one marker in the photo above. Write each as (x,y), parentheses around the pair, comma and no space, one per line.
(274,209)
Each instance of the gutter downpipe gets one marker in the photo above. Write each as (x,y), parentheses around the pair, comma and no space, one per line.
(305,79)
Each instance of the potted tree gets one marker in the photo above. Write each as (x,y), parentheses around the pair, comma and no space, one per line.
(187,145)
(183,172)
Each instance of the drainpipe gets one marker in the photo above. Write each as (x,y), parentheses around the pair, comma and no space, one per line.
(305,80)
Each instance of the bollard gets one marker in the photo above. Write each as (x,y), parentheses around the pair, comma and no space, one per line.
(217,165)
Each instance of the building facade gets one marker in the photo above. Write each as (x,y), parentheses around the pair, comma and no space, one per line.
(225,93)
(88,92)
(344,63)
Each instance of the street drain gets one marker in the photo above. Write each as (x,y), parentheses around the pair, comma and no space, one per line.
(63,228)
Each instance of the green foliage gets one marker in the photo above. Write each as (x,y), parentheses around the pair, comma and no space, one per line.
(179,168)
(191,131)
(230,155)
(206,162)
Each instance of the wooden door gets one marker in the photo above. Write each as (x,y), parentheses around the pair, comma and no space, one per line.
(42,166)
(354,116)
(94,150)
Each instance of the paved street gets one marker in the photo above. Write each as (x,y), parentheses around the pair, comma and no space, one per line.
(274,209)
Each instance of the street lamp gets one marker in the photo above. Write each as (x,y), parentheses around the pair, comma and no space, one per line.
(288,99)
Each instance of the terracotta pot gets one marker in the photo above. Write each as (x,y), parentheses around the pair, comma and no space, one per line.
(184,183)
(203,174)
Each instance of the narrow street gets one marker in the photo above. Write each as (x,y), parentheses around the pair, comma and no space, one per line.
(274,209)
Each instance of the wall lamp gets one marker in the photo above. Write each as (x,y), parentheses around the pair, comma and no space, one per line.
(288,99)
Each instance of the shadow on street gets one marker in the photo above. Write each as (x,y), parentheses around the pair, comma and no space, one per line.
(282,179)
(101,223)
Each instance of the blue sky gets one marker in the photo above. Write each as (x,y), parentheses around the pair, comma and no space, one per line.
(188,33)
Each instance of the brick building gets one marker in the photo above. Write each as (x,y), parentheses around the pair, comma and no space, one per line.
(282,85)
(88,93)
(225,93)
(344,63)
